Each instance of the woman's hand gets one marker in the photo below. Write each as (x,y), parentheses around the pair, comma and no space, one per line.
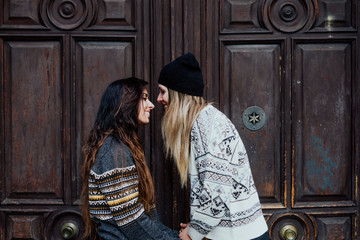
(183,234)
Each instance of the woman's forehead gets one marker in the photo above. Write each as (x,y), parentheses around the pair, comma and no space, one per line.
(162,87)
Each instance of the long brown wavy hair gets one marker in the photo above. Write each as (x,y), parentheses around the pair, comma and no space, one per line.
(117,116)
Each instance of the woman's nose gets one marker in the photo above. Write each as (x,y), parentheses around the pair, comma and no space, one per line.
(151,105)
(159,98)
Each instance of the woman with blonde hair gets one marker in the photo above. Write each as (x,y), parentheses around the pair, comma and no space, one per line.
(118,200)
(209,153)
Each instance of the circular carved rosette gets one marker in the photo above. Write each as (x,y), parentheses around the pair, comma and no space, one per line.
(68,14)
(292,226)
(291,15)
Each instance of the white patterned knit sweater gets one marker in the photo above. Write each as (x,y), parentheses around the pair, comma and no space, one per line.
(224,201)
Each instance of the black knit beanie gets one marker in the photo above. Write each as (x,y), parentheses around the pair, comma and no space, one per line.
(183,75)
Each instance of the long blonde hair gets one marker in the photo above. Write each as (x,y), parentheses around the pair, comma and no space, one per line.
(182,111)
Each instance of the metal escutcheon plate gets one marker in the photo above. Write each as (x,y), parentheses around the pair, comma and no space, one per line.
(254,118)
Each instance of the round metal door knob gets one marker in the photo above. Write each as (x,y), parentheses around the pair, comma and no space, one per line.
(69,230)
(288,232)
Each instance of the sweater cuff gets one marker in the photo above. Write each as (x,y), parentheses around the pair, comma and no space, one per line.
(201,225)
(194,234)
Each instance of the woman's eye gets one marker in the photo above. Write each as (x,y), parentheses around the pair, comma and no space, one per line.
(145,97)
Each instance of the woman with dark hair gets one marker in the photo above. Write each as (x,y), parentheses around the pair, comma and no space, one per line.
(118,192)
(209,152)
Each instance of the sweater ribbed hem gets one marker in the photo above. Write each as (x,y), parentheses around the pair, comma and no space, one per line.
(246,232)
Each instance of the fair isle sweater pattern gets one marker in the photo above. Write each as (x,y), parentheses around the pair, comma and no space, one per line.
(220,176)
(113,185)
(113,195)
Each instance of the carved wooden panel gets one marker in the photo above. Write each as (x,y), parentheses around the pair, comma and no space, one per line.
(252,16)
(69,15)
(252,77)
(115,15)
(97,64)
(24,226)
(20,14)
(322,124)
(334,227)
(33,136)
(336,16)
(239,16)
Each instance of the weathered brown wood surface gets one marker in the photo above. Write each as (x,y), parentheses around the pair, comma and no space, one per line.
(298,60)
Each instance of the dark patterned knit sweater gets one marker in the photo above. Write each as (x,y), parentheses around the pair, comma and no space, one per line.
(114,194)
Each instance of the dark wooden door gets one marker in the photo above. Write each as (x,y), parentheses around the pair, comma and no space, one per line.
(57,57)
(296,62)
